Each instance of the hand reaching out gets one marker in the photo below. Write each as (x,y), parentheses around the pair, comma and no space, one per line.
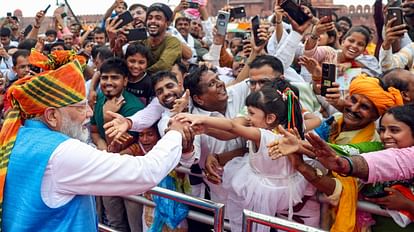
(301,28)
(181,104)
(193,119)
(394,201)
(119,125)
(312,66)
(213,169)
(288,144)
(325,154)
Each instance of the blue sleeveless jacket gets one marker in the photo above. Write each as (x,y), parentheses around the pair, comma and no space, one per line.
(23,207)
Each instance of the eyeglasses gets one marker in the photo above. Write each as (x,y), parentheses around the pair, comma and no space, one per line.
(83,106)
(260,82)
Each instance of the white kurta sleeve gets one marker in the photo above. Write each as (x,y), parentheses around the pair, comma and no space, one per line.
(77,168)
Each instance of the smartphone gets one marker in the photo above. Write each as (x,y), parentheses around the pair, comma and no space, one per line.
(137,34)
(126,18)
(27,30)
(295,11)
(47,8)
(328,77)
(255,28)
(327,13)
(238,12)
(246,38)
(394,3)
(395,12)
(374,191)
(9,14)
(223,18)
(193,5)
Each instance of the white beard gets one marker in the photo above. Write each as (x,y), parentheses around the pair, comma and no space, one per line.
(74,130)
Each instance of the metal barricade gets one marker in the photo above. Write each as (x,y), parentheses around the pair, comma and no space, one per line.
(250,217)
(216,208)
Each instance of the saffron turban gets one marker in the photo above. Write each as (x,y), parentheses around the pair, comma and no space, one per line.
(30,97)
(370,87)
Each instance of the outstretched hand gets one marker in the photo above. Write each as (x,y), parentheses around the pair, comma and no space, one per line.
(394,201)
(117,126)
(325,154)
(213,169)
(193,119)
(288,144)
(181,104)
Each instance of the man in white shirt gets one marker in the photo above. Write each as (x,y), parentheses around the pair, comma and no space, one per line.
(52,173)
(210,97)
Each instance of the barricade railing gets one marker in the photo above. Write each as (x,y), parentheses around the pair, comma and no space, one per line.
(216,208)
(250,217)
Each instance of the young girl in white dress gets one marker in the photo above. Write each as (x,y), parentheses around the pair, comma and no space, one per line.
(256,182)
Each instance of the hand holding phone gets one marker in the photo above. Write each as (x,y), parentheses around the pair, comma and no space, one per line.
(295,12)
(193,5)
(47,8)
(255,28)
(395,12)
(126,18)
(238,12)
(137,34)
(223,18)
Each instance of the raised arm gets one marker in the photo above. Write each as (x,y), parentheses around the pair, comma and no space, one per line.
(249,133)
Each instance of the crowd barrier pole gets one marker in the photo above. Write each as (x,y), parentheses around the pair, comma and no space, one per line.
(104,228)
(216,208)
(250,217)
(194,215)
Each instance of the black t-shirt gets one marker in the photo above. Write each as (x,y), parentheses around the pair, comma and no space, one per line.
(142,89)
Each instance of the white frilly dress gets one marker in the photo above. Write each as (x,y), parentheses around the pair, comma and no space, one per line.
(260,184)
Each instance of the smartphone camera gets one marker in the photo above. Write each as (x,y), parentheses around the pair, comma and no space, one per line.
(328,77)
(9,14)
(192,5)
(222,21)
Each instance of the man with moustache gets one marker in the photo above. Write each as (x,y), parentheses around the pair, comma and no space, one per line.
(167,90)
(366,102)
(182,24)
(165,49)
(210,97)
(49,174)
(138,12)
(113,97)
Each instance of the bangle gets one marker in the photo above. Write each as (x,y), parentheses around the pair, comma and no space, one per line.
(351,166)
(37,27)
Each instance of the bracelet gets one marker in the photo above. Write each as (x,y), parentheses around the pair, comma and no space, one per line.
(37,27)
(279,22)
(351,166)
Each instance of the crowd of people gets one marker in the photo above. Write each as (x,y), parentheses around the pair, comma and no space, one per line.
(256,116)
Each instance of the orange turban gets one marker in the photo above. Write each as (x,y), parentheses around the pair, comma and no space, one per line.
(370,87)
(30,97)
